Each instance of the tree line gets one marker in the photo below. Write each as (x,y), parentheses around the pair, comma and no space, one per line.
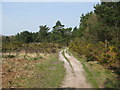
(59,34)
(97,37)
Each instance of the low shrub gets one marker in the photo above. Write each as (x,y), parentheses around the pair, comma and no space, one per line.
(8,56)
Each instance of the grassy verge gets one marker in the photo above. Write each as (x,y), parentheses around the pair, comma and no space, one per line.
(32,71)
(49,74)
(97,75)
(89,75)
(63,53)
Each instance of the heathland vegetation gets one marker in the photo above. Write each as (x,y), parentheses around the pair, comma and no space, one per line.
(97,39)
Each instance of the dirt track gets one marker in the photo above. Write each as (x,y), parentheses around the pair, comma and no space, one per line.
(75,77)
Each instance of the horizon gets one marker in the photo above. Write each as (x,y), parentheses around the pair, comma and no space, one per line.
(28,16)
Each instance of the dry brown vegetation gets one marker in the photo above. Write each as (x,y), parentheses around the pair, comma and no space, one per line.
(19,62)
(16,70)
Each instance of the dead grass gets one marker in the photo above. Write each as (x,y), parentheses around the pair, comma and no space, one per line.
(49,74)
(16,70)
(26,72)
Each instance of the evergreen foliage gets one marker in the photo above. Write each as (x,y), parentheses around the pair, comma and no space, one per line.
(97,37)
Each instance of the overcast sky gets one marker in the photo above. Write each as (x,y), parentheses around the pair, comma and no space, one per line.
(20,16)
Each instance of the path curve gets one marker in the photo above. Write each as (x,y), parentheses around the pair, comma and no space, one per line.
(75,77)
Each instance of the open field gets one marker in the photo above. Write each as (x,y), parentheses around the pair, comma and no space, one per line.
(31,71)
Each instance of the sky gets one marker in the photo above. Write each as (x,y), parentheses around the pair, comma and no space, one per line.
(21,16)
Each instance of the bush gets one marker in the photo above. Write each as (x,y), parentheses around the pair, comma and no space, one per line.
(8,56)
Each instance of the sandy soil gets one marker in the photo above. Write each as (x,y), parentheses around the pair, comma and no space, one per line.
(75,77)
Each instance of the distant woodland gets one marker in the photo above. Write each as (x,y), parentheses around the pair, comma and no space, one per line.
(97,37)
